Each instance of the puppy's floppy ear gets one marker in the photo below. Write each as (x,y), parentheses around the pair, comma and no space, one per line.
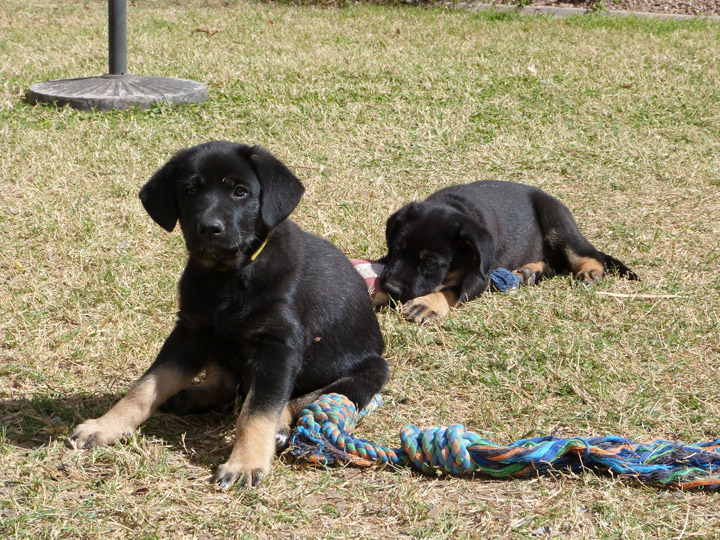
(281,190)
(480,242)
(158,194)
(396,221)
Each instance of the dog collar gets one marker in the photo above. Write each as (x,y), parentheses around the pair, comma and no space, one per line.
(254,255)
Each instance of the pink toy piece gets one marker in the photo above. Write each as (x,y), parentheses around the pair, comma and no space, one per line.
(370,271)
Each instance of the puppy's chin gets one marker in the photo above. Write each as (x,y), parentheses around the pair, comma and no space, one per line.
(219,258)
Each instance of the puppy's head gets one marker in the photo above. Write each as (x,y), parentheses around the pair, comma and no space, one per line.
(431,247)
(226,196)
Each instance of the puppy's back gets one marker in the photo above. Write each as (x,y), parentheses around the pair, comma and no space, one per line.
(334,295)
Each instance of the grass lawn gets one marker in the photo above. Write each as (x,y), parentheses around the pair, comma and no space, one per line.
(371,107)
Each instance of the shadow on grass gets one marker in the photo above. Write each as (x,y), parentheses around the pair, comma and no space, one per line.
(37,421)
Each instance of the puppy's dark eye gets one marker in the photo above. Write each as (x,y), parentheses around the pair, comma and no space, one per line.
(240,192)
(191,191)
(429,262)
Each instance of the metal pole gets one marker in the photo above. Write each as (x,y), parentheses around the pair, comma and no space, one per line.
(117,19)
(117,89)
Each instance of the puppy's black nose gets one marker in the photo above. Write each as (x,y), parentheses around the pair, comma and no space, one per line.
(392,289)
(210,227)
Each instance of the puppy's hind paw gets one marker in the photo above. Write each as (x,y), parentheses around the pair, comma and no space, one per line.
(179,404)
(527,277)
(282,439)
(591,277)
(531,273)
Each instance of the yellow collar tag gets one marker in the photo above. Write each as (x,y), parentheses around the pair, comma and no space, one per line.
(254,255)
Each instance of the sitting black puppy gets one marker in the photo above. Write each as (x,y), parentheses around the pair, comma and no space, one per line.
(441,251)
(269,311)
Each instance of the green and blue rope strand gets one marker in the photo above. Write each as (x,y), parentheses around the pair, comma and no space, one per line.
(325,430)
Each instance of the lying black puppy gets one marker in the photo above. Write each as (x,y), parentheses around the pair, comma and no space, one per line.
(268,311)
(441,251)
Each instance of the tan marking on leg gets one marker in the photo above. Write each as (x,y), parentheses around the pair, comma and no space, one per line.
(535,267)
(253,451)
(255,441)
(290,414)
(145,395)
(451,280)
(436,304)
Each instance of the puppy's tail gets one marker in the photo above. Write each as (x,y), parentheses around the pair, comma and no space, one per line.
(615,265)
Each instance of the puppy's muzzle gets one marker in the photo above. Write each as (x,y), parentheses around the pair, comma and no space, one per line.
(396,290)
(216,242)
(392,288)
(210,228)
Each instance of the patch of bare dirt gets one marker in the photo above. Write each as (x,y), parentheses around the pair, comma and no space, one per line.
(677,7)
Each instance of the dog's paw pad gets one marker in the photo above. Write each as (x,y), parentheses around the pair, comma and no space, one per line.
(227,475)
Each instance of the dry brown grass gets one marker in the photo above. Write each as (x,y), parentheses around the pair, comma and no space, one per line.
(372,107)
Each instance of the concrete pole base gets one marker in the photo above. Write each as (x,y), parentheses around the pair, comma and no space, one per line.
(117,92)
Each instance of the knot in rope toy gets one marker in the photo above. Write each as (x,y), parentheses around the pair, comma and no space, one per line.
(324,435)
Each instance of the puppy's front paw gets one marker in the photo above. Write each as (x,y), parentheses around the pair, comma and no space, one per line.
(232,472)
(424,309)
(98,432)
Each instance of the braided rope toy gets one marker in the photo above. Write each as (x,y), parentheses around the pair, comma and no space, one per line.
(324,436)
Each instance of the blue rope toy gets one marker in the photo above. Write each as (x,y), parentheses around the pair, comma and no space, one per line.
(504,280)
(324,435)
